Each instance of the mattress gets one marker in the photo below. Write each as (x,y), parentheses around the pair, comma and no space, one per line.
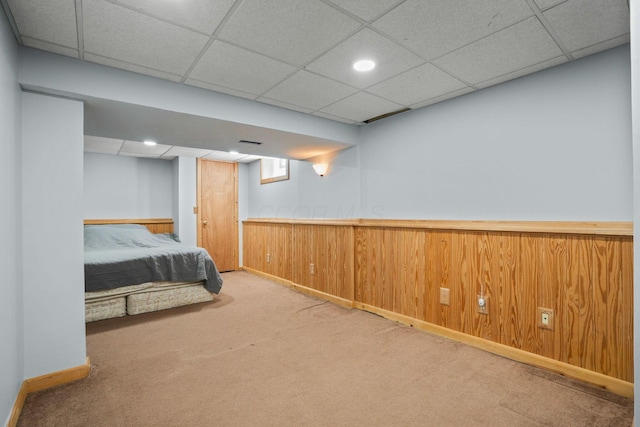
(160,299)
(142,298)
(105,309)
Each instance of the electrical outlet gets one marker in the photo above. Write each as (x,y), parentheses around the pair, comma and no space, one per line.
(483,304)
(312,269)
(545,318)
(444,296)
(268,258)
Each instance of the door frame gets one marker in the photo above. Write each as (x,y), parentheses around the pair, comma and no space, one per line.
(235,212)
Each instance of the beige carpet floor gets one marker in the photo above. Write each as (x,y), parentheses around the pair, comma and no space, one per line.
(264,355)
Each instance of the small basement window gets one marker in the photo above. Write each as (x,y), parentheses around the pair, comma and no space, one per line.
(272,170)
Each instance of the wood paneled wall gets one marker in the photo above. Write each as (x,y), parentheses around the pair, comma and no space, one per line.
(584,274)
(267,248)
(155,225)
(330,249)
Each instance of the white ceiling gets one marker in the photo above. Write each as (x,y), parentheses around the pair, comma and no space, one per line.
(297,54)
(119,147)
(119,121)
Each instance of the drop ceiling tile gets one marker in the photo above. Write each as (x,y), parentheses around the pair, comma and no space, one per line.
(424,82)
(522,45)
(435,27)
(97,144)
(390,58)
(239,69)
(200,15)
(443,97)
(52,21)
(310,91)
(50,47)
(366,9)
(284,105)
(609,44)
(292,31)
(116,32)
(221,89)
(139,148)
(131,67)
(361,106)
(141,155)
(546,4)
(223,156)
(581,23)
(185,152)
(248,159)
(335,118)
(523,72)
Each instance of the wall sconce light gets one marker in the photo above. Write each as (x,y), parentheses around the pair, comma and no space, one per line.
(321,168)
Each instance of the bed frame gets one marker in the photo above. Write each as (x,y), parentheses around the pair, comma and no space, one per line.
(146,297)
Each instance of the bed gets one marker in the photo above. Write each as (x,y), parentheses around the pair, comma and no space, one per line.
(139,266)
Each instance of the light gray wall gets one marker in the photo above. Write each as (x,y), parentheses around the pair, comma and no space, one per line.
(11,311)
(307,195)
(127,187)
(243,203)
(175,192)
(52,233)
(335,195)
(635,98)
(185,198)
(274,200)
(62,75)
(555,145)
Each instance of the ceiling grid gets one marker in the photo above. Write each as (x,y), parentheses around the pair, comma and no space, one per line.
(298,55)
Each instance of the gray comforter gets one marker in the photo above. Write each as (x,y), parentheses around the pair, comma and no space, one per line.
(129,254)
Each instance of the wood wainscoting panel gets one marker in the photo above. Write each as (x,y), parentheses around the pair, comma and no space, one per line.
(626,328)
(529,267)
(322,258)
(391,273)
(155,225)
(160,228)
(553,261)
(586,279)
(484,276)
(460,288)
(253,246)
(510,301)
(601,299)
(371,275)
(580,273)
(608,295)
(438,273)
(267,248)
(410,296)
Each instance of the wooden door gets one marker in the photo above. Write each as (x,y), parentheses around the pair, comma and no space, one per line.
(218,212)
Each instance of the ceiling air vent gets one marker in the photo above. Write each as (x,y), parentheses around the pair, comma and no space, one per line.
(384,116)
(244,141)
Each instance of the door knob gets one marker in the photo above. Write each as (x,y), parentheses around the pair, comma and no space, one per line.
(205,222)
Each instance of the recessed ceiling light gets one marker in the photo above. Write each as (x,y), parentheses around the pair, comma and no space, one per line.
(364,65)
(150,143)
